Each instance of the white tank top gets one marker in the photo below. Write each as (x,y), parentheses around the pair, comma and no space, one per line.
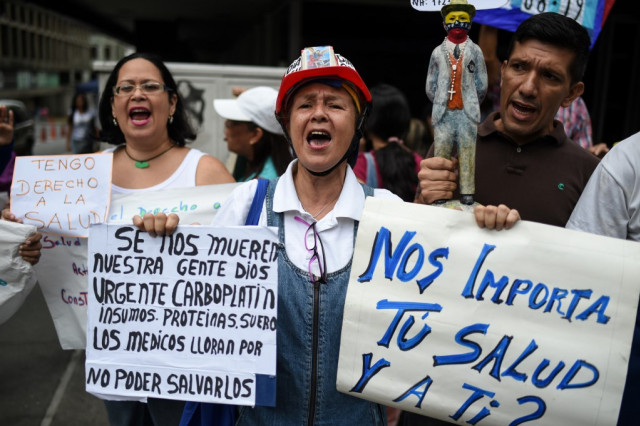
(183,177)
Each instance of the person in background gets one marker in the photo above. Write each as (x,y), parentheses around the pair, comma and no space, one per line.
(82,126)
(523,156)
(610,206)
(30,250)
(143,115)
(390,164)
(575,117)
(252,131)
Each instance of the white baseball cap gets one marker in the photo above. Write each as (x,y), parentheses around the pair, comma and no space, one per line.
(257,105)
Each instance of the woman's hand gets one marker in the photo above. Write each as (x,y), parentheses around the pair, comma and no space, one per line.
(498,218)
(30,250)
(7,215)
(159,224)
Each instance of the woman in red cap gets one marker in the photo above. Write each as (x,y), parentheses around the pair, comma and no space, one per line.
(316,206)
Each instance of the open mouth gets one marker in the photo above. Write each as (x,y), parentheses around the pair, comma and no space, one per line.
(318,138)
(522,110)
(139,116)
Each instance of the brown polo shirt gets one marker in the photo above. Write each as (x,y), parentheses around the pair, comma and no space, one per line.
(542,179)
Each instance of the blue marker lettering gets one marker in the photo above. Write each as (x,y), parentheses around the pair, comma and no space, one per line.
(433,259)
(383,237)
(497,355)
(402,307)
(542,408)
(415,390)
(368,371)
(460,339)
(468,289)
(475,396)
(577,366)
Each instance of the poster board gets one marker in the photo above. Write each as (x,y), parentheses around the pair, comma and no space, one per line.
(191,316)
(459,323)
(62,194)
(62,270)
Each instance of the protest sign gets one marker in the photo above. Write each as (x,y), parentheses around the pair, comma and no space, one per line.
(62,270)
(436,5)
(468,325)
(62,194)
(191,316)
(591,14)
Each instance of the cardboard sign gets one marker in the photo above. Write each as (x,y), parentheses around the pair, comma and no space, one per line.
(190,316)
(62,194)
(472,326)
(436,5)
(62,270)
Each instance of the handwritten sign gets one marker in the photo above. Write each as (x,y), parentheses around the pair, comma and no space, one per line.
(436,5)
(193,205)
(591,14)
(472,326)
(62,194)
(62,270)
(191,316)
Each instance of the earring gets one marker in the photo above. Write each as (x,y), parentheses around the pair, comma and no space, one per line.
(115,122)
(171,119)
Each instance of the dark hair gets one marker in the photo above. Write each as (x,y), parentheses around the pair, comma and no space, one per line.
(179,129)
(73,106)
(560,31)
(390,118)
(270,145)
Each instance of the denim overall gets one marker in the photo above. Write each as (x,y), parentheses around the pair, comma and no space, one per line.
(308,336)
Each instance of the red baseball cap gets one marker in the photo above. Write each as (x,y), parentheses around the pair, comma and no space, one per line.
(319,63)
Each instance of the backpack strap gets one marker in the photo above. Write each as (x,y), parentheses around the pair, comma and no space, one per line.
(258,200)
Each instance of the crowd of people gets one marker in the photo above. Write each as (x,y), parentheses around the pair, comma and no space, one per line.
(324,143)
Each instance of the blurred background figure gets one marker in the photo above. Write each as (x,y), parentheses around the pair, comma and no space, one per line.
(253,133)
(420,136)
(82,126)
(388,163)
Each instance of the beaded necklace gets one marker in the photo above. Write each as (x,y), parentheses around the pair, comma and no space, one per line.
(143,164)
(454,66)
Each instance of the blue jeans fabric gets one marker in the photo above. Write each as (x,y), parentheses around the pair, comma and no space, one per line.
(295,400)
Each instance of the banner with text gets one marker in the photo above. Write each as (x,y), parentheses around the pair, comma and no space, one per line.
(436,5)
(591,14)
(62,194)
(191,316)
(62,270)
(472,326)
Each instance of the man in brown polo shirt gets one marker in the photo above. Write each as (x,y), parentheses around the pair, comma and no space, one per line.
(523,157)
